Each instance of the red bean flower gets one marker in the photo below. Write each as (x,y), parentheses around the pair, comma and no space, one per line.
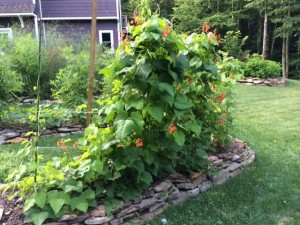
(172,128)
(139,143)
(220,121)
(221,98)
(224,116)
(205,27)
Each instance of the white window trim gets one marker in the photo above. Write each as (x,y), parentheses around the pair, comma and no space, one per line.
(7,31)
(111,32)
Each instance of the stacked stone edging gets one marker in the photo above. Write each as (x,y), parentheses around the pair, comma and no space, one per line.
(173,190)
(8,136)
(263,82)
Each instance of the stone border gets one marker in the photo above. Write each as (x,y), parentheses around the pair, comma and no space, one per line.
(8,136)
(173,190)
(263,82)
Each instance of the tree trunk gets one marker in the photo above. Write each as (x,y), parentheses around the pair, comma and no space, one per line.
(283,57)
(259,33)
(265,35)
(218,6)
(273,42)
(287,44)
(298,64)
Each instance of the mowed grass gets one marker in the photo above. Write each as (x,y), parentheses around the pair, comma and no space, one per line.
(9,157)
(267,192)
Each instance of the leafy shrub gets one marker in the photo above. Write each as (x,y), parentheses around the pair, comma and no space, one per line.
(233,43)
(71,82)
(10,80)
(168,106)
(258,67)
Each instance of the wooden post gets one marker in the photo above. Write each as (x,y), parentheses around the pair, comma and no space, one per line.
(92,63)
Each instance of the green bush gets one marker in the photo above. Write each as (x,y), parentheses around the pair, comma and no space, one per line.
(24,54)
(258,67)
(71,82)
(10,80)
(232,43)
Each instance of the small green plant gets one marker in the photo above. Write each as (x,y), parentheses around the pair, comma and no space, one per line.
(258,67)
(51,116)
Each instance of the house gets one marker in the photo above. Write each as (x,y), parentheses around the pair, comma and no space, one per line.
(72,17)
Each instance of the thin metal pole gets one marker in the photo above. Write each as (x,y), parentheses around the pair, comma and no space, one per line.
(38,98)
(92,62)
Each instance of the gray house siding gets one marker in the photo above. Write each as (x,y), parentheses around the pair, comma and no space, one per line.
(72,17)
(77,8)
(78,29)
(15,1)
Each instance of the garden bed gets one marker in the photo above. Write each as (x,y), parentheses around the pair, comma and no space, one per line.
(263,81)
(172,190)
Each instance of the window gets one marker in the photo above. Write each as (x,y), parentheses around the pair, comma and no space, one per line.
(6,31)
(106,38)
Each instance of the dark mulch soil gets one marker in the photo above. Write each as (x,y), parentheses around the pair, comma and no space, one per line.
(12,214)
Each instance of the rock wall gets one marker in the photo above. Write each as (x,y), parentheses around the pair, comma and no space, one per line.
(173,190)
(263,82)
(8,136)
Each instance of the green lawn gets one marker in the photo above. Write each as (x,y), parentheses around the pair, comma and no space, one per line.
(268,192)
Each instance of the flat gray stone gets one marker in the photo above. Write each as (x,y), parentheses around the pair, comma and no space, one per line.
(77,132)
(218,162)
(174,195)
(151,215)
(236,158)
(128,210)
(221,177)
(116,221)
(156,206)
(2,141)
(199,180)
(163,186)
(147,203)
(193,193)
(67,217)
(29,100)
(67,129)
(56,223)
(205,186)
(97,220)
(183,196)
(9,135)
(233,166)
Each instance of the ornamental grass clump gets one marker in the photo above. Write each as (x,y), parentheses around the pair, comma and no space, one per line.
(161,115)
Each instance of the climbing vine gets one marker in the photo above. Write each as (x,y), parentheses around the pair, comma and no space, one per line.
(166,108)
